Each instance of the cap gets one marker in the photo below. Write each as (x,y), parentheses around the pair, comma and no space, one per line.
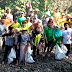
(47,7)
(63,14)
(22,12)
(16,7)
(17,29)
(23,22)
(36,9)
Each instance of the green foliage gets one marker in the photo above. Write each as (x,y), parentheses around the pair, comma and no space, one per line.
(1,12)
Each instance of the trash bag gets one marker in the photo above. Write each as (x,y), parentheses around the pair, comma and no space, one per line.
(64,48)
(59,55)
(28,57)
(11,56)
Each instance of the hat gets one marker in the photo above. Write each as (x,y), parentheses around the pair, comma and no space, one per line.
(63,14)
(24,29)
(22,12)
(36,9)
(47,7)
(16,7)
(23,22)
(17,29)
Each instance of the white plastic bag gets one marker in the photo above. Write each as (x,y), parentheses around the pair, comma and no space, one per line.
(28,57)
(64,48)
(11,56)
(59,55)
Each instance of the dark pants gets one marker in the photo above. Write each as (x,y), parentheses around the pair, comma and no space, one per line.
(3,46)
(17,52)
(48,45)
(68,47)
(7,49)
(34,51)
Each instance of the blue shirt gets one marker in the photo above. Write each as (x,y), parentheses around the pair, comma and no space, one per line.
(24,38)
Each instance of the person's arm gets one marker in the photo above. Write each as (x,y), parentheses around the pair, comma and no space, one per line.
(19,40)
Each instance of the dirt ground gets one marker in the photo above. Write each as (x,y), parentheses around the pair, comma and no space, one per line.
(43,64)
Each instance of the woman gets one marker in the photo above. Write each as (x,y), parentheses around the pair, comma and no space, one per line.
(9,43)
(36,40)
(23,41)
(17,33)
(58,36)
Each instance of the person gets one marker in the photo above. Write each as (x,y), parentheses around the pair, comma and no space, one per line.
(36,19)
(17,33)
(7,22)
(9,15)
(67,34)
(9,43)
(36,35)
(28,9)
(62,20)
(16,13)
(49,36)
(70,22)
(29,25)
(15,24)
(65,12)
(58,37)
(47,11)
(21,18)
(37,12)
(24,26)
(57,15)
(23,41)
(3,28)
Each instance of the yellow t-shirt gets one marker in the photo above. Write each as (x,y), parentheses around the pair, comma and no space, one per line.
(15,25)
(70,23)
(70,14)
(57,17)
(61,22)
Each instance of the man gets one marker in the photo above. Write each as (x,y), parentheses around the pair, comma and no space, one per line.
(3,28)
(37,12)
(16,13)
(15,24)
(9,15)
(67,34)
(70,22)
(57,16)
(49,37)
(21,18)
(47,11)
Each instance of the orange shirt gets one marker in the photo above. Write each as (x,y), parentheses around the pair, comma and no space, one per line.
(7,22)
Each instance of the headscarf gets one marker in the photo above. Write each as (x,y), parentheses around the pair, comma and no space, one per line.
(57,33)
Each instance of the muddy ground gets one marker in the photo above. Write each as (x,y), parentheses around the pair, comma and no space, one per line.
(43,64)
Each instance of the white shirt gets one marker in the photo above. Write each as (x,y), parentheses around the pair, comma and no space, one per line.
(67,36)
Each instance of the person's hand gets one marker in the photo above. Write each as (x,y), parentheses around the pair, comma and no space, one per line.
(17,47)
(47,42)
(54,39)
(61,42)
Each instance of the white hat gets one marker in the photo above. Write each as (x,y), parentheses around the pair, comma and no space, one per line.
(63,14)
(17,29)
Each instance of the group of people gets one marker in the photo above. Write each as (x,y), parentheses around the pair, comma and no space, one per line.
(20,32)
